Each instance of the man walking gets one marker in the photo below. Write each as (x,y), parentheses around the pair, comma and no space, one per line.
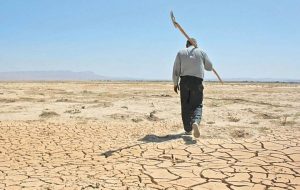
(189,66)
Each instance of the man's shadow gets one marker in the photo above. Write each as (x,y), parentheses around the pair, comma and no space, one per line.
(151,138)
(159,139)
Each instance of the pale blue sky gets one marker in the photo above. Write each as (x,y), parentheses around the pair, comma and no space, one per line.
(135,38)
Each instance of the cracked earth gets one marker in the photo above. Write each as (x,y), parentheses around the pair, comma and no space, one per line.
(110,135)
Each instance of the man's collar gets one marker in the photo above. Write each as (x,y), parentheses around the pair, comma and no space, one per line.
(191,47)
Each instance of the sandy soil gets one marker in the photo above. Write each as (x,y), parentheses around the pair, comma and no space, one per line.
(102,135)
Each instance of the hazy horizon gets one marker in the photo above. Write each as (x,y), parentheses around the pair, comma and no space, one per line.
(68,75)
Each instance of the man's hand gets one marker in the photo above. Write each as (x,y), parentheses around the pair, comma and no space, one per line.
(176,88)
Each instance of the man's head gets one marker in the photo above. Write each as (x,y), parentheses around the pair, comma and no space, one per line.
(188,43)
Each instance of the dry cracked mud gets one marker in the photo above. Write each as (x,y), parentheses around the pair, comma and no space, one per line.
(249,137)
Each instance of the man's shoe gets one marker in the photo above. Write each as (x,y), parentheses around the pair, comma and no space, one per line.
(188,133)
(196,130)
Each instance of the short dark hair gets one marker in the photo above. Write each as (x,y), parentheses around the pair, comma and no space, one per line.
(188,43)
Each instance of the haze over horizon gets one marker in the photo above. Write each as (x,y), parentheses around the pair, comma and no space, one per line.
(65,75)
(244,39)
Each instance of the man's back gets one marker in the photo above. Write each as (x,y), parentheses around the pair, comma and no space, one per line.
(190,61)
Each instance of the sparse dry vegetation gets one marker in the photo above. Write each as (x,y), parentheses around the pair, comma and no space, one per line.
(263,129)
(233,119)
(48,114)
(210,122)
(268,116)
(62,100)
(73,111)
(287,120)
(240,133)
(7,100)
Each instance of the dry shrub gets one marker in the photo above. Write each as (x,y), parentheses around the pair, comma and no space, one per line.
(26,99)
(284,121)
(240,133)
(87,92)
(152,116)
(103,104)
(233,119)
(119,116)
(268,116)
(48,114)
(62,100)
(263,129)
(136,120)
(162,95)
(74,111)
(210,122)
(7,100)
(213,104)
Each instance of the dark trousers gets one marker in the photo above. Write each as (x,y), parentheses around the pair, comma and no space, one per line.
(191,96)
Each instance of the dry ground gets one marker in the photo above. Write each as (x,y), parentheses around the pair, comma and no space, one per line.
(105,135)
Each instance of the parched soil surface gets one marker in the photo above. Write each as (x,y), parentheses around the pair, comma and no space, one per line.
(117,135)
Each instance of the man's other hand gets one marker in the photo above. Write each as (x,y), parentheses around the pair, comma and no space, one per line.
(176,88)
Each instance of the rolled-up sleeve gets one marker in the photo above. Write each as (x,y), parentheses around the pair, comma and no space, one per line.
(176,70)
(207,63)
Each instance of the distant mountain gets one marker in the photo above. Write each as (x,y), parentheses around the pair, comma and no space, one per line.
(50,76)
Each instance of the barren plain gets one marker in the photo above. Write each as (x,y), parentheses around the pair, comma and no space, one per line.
(129,135)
